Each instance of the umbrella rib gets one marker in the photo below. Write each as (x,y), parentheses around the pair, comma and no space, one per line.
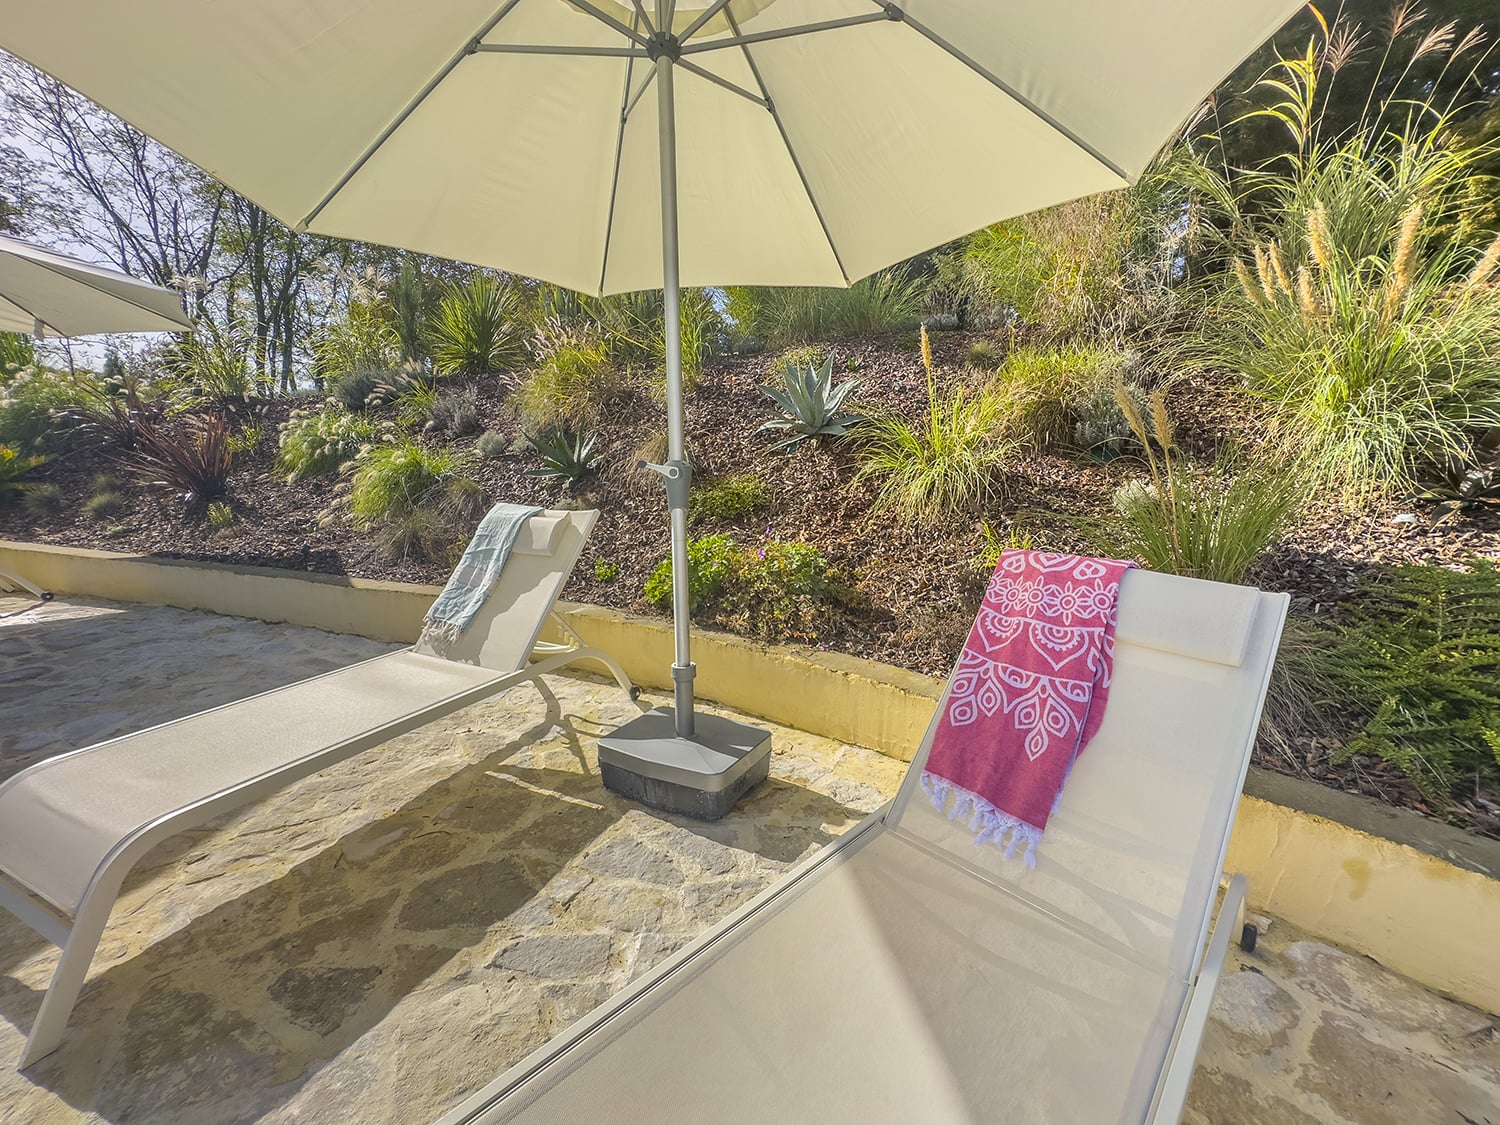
(738,40)
(724,83)
(614,183)
(895,13)
(469,47)
(640,91)
(645,22)
(559,49)
(790,151)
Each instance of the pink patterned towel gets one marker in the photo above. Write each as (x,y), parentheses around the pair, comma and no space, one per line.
(1028,695)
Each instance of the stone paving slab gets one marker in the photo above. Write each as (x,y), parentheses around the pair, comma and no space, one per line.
(375,942)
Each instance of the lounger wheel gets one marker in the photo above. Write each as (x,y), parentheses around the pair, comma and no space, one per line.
(635,693)
(1248,937)
(46,595)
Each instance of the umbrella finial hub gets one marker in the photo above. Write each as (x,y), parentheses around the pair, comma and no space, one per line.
(663,45)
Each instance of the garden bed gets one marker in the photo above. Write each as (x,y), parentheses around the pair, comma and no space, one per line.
(913,591)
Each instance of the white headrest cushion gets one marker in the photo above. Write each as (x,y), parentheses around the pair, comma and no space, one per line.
(1186,616)
(540,534)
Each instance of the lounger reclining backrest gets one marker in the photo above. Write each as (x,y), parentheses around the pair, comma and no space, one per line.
(1141,827)
(505,629)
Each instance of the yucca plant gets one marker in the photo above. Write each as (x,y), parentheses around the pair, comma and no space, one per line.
(567,457)
(1213,525)
(810,405)
(947,463)
(477,328)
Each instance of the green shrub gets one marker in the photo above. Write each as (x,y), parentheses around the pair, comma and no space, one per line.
(725,499)
(477,328)
(492,446)
(1044,394)
(13,468)
(220,515)
(606,571)
(1362,306)
(575,384)
(315,444)
(712,561)
(945,464)
(43,499)
(884,302)
(33,410)
(565,456)
(993,544)
(779,591)
(799,356)
(1416,663)
(415,500)
(809,405)
(106,501)
(1212,526)
(1097,268)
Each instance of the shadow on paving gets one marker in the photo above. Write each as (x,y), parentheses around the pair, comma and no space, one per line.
(229,1017)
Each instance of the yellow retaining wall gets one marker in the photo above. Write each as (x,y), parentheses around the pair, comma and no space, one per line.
(1428,919)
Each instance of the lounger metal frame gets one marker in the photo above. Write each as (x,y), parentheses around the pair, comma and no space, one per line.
(78,936)
(10,579)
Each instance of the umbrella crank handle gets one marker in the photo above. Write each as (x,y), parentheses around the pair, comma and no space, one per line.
(677,478)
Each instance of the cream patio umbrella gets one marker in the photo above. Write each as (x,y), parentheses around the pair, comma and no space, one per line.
(45,293)
(793,142)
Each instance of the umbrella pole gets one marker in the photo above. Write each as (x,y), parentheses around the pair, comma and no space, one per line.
(696,765)
(678,473)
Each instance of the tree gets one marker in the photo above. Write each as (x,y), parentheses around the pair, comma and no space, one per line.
(113,189)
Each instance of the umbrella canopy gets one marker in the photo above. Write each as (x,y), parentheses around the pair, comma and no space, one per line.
(793,142)
(49,294)
(804,157)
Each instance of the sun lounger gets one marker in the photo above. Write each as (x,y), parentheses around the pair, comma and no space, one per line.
(72,827)
(905,975)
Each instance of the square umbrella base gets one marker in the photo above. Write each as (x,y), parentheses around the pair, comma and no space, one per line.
(701,777)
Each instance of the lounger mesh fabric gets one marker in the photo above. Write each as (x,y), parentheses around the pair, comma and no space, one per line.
(915,977)
(76,811)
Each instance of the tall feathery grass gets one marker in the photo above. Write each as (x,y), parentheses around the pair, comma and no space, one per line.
(948,462)
(884,302)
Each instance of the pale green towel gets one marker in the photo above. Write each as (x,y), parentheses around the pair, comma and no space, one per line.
(475,575)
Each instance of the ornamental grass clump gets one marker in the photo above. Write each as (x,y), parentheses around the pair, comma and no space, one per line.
(1211,525)
(946,463)
(317,443)
(1362,303)
(415,500)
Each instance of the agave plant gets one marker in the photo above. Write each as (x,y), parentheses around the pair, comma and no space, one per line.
(810,405)
(565,456)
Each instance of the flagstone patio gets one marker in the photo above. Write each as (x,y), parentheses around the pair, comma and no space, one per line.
(379,940)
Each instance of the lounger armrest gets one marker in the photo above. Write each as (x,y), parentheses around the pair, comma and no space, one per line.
(1172,1093)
